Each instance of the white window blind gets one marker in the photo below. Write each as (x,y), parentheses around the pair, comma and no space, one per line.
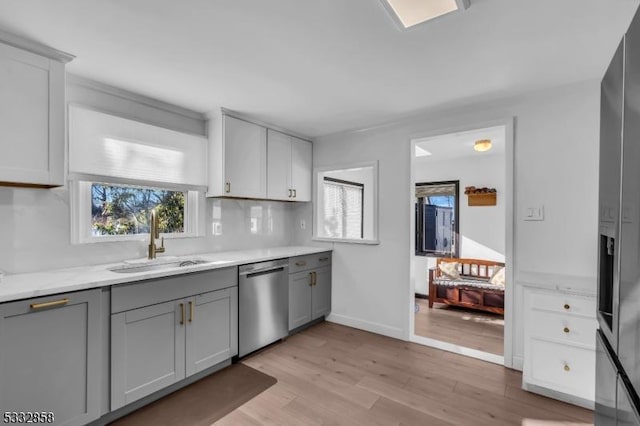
(343,209)
(104,145)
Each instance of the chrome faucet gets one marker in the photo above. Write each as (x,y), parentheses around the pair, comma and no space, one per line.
(154,233)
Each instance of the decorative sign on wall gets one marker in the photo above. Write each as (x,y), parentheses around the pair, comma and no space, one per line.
(481,196)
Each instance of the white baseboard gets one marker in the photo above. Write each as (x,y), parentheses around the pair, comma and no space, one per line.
(385,330)
(461,350)
(518,363)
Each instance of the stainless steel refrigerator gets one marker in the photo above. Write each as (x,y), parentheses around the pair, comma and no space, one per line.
(618,339)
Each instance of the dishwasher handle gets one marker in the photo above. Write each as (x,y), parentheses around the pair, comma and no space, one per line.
(262,272)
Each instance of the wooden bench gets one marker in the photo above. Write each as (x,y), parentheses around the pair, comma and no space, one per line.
(472,291)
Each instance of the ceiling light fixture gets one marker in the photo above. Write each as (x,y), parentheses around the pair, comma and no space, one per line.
(407,13)
(482,145)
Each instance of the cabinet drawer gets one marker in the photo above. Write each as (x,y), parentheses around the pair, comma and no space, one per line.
(563,327)
(311,261)
(564,368)
(137,295)
(566,303)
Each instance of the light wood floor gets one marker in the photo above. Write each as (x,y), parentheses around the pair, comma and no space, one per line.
(335,375)
(479,330)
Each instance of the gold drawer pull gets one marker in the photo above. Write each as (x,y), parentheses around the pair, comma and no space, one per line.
(323,259)
(567,368)
(51,304)
(567,306)
(566,330)
(301,263)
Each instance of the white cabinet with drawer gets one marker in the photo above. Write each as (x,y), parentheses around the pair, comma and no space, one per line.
(559,346)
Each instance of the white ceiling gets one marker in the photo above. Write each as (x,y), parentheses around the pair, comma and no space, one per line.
(454,146)
(318,67)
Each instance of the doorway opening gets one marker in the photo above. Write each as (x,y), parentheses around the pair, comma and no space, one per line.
(461,250)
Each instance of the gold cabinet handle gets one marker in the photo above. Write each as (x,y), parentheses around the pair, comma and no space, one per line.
(310,279)
(323,259)
(227,187)
(295,193)
(51,304)
(566,330)
(567,306)
(315,278)
(290,194)
(567,368)
(191,309)
(182,314)
(301,263)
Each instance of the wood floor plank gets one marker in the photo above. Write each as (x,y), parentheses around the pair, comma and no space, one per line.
(402,414)
(336,375)
(478,330)
(543,403)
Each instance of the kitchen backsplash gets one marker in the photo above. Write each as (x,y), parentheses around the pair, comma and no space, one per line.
(35,231)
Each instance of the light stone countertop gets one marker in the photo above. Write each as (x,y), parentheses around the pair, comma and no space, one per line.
(36,284)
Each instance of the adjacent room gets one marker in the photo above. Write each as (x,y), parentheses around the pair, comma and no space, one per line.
(460,235)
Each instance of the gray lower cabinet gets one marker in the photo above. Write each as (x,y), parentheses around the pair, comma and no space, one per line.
(147,351)
(156,346)
(309,289)
(51,355)
(212,331)
(299,299)
(321,292)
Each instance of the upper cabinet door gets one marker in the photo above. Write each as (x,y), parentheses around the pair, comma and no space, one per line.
(279,166)
(301,163)
(245,159)
(31,119)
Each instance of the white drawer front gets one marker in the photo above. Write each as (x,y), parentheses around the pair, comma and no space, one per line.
(563,327)
(566,303)
(563,368)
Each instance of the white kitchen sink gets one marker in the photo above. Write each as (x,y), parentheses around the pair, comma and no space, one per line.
(155,266)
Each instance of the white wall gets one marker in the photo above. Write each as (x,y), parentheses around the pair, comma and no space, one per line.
(556,160)
(482,229)
(35,223)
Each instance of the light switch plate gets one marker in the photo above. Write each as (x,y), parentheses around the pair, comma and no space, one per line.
(534,213)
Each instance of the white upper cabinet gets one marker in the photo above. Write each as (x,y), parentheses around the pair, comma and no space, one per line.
(247,160)
(238,159)
(301,164)
(278,166)
(32,113)
(288,167)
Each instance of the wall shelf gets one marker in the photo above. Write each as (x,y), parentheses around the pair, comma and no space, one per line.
(482,199)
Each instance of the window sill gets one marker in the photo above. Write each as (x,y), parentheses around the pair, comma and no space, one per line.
(346,240)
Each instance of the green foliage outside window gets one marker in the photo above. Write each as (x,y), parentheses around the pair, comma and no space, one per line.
(123,210)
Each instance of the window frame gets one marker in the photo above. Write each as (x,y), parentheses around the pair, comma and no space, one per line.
(354,184)
(419,225)
(81,218)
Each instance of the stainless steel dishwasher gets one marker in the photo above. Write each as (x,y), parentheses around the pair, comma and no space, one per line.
(263,299)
